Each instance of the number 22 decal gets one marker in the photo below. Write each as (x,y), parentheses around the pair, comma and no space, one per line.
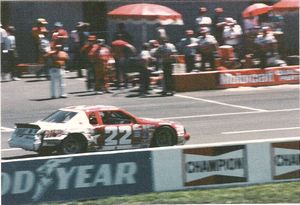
(113,133)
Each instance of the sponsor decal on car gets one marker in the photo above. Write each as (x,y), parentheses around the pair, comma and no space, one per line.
(215,165)
(286,160)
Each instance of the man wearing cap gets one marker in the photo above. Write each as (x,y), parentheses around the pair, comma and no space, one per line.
(232,36)
(202,20)
(59,35)
(207,46)
(101,55)
(166,52)
(79,38)
(57,58)
(189,46)
(266,46)
(40,28)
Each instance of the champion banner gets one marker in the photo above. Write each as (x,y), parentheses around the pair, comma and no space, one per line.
(215,165)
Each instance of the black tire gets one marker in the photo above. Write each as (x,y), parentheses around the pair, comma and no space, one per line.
(72,145)
(164,136)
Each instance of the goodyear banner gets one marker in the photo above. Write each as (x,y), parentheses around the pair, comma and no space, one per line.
(259,77)
(77,177)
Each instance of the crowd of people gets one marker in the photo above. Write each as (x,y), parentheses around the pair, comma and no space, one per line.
(213,42)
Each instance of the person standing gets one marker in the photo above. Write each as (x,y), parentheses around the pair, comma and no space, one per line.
(189,45)
(218,24)
(207,45)
(266,46)
(79,37)
(146,58)
(166,52)
(121,51)
(59,35)
(58,59)
(3,36)
(203,20)
(44,49)
(10,46)
(40,28)
(89,61)
(101,55)
(232,36)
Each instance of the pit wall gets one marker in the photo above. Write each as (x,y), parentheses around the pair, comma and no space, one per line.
(96,175)
(236,78)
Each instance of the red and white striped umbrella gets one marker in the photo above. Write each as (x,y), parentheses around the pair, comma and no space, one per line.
(256,9)
(146,13)
(286,5)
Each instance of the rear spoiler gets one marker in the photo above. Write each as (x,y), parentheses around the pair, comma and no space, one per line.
(27,125)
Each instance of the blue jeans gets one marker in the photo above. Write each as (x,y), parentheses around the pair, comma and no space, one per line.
(57,82)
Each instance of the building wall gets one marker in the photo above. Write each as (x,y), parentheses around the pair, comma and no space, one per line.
(22,15)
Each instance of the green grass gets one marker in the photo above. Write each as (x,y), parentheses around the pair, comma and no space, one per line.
(288,192)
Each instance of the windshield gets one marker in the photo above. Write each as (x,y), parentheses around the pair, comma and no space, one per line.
(60,116)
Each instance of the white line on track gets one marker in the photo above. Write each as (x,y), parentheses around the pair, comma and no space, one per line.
(229,114)
(263,130)
(220,103)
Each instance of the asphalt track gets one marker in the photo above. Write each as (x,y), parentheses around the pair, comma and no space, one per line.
(213,116)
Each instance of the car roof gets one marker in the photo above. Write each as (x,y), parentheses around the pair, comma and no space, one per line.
(90,108)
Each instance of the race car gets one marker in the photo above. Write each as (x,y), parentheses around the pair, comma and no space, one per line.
(79,129)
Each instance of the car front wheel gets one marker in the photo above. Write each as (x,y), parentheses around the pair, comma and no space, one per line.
(164,136)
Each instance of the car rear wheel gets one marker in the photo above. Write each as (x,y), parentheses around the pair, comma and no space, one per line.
(164,136)
(72,145)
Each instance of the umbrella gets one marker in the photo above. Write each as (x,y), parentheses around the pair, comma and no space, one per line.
(256,9)
(146,14)
(286,5)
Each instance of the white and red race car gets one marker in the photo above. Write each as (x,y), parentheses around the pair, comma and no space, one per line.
(83,128)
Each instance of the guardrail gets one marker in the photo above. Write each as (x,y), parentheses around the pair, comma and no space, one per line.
(95,175)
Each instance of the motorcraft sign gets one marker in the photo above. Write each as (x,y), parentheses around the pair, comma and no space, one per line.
(286,160)
(215,165)
(71,178)
(259,77)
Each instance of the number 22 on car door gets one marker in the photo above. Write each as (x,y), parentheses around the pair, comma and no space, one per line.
(118,135)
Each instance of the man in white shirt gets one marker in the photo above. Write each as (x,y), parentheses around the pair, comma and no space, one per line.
(10,46)
(207,45)
(232,35)
(166,52)
(189,47)
(202,20)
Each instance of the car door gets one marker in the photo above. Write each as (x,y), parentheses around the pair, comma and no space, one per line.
(120,131)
